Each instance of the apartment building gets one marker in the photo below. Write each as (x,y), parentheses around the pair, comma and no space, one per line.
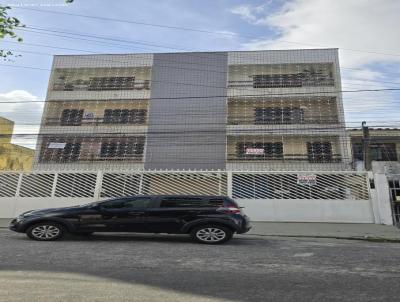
(275,110)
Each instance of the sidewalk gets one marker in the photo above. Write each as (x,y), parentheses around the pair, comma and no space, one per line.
(319,230)
(327,230)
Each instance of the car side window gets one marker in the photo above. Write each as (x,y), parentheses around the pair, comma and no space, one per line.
(182,202)
(134,202)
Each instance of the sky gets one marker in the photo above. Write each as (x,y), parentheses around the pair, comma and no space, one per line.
(365,31)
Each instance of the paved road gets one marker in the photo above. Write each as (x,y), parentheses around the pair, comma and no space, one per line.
(171,268)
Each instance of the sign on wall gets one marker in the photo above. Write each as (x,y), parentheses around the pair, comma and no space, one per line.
(56,146)
(88,115)
(255,151)
(306,179)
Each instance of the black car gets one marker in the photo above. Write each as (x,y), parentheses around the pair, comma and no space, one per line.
(208,219)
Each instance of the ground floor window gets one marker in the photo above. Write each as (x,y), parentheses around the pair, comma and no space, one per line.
(122,147)
(319,152)
(260,150)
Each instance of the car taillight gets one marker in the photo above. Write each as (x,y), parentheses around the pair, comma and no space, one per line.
(230,210)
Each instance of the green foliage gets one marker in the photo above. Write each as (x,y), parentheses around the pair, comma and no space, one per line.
(7,29)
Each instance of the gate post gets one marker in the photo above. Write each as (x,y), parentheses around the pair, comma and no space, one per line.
(99,182)
(381,199)
(229,183)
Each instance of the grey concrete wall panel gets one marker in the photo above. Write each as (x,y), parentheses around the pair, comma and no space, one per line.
(187,113)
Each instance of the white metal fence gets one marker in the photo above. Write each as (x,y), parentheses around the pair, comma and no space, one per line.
(240,185)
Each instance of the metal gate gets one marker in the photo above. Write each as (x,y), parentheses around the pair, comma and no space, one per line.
(394,187)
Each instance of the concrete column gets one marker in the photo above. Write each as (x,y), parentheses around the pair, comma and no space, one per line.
(381,200)
(97,188)
(229,180)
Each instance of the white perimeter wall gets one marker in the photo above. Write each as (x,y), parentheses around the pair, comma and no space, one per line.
(290,210)
(308,210)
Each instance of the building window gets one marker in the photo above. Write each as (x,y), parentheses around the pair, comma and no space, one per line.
(309,76)
(71,117)
(276,115)
(383,152)
(378,151)
(319,152)
(276,81)
(56,151)
(111,83)
(259,151)
(122,148)
(125,116)
(358,151)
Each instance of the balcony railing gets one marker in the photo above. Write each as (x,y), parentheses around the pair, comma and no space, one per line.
(282,84)
(253,121)
(82,85)
(334,158)
(91,122)
(94,158)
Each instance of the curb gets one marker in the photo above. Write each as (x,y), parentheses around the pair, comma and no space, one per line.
(365,238)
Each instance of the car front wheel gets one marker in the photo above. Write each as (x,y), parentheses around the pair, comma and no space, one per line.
(45,231)
(211,234)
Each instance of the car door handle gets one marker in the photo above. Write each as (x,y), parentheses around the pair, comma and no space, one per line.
(136,213)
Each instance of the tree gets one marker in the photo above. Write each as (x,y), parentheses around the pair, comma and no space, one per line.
(7,29)
(8,25)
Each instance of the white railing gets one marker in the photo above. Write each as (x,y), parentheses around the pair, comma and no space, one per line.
(239,184)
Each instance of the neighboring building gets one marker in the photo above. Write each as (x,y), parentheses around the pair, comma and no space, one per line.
(13,157)
(256,110)
(383,145)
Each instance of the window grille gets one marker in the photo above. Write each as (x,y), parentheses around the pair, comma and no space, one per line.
(71,117)
(68,152)
(111,83)
(319,152)
(125,116)
(276,115)
(122,148)
(271,151)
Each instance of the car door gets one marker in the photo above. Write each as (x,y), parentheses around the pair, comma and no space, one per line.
(173,212)
(129,214)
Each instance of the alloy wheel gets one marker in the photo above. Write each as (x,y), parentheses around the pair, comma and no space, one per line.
(211,234)
(46,232)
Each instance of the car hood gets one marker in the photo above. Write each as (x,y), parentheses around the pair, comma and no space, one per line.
(52,210)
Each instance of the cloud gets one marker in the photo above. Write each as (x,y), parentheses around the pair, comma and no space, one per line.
(367,25)
(249,13)
(366,33)
(26,116)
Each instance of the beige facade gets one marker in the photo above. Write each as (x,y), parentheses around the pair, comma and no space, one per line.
(288,103)
(13,157)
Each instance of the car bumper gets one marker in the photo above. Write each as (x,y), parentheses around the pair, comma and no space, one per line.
(246,226)
(16,226)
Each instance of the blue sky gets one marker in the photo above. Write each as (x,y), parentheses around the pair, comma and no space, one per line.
(364,31)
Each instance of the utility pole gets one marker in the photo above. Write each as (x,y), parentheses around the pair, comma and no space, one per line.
(365,143)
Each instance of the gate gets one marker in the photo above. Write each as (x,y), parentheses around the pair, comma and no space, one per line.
(394,187)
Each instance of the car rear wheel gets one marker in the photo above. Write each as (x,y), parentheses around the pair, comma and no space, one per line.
(211,234)
(45,231)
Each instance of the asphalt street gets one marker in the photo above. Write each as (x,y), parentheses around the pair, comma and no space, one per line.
(120,267)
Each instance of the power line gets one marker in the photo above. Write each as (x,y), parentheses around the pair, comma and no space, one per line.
(224,72)
(192,29)
(270,94)
(136,54)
